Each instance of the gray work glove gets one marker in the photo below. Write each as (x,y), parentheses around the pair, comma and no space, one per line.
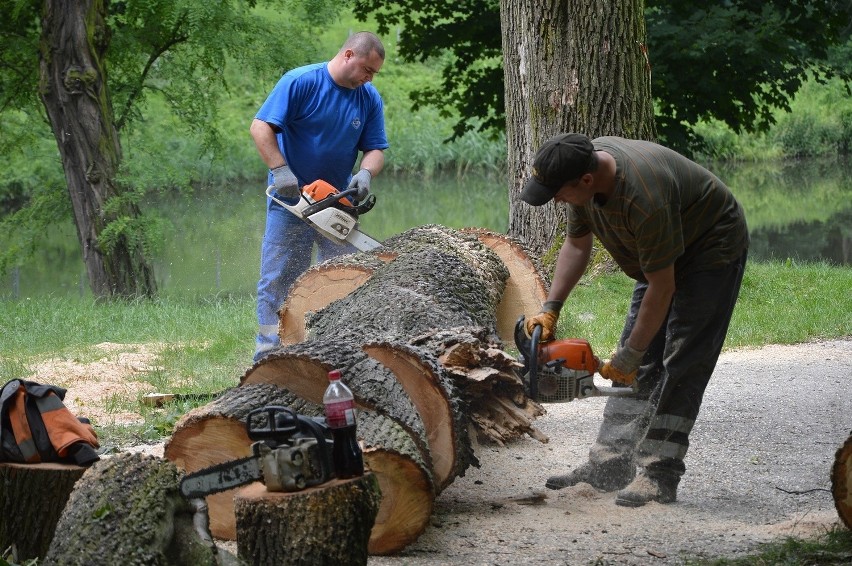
(361,181)
(624,365)
(285,183)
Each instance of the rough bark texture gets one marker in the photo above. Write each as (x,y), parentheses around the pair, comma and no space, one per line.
(127,510)
(32,497)
(322,284)
(326,524)
(569,67)
(841,482)
(216,433)
(417,343)
(319,286)
(74,93)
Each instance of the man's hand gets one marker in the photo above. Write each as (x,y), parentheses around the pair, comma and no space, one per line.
(285,182)
(623,366)
(361,181)
(547,319)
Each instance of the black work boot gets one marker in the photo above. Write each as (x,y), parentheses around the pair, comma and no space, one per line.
(647,488)
(606,476)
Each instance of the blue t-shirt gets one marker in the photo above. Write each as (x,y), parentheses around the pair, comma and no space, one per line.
(322,126)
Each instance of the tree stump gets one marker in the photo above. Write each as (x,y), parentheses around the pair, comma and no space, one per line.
(32,497)
(326,524)
(127,509)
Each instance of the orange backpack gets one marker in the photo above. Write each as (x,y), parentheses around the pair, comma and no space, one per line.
(35,426)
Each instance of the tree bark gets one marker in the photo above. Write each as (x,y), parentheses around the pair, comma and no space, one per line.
(325,524)
(417,344)
(569,67)
(127,509)
(322,284)
(73,90)
(32,497)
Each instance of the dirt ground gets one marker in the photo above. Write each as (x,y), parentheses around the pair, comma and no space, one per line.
(757,470)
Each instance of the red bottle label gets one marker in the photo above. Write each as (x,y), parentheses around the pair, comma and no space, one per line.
(340,414)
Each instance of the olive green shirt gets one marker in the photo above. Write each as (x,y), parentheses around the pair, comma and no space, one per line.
(665,210)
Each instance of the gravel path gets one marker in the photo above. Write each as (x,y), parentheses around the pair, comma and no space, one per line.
(757,471)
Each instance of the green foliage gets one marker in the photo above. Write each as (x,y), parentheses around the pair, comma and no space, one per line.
(733,61)
(467,39)
(166,64)
(833,548)
(821,124)
(737,61)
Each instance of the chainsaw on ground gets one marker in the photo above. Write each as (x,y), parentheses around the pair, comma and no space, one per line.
(331,213)
(560,371)
(290,452)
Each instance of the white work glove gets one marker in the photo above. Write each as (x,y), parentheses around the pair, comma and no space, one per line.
(285,183)
(361,181)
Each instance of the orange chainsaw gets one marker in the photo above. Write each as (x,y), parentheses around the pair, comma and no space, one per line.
(331,213)
(560,371)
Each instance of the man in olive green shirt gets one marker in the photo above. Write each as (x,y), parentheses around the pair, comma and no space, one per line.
(676,229)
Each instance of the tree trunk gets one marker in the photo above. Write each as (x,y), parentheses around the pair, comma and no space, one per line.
(325,524)
(216,433)
(127,509)
(322,284)
(32,497)
(73,90)
(569,67)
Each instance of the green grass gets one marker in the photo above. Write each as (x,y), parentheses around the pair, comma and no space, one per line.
(834,548)
(204,344)
(779,303)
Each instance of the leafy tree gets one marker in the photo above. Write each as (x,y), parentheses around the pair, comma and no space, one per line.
(89,68)
(734,60)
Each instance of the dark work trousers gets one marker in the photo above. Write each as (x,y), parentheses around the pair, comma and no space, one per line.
(653,429)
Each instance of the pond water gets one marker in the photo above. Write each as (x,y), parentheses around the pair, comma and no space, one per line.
(801,211)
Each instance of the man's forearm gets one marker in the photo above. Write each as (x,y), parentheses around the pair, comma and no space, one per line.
(570,266)
(266,143)
(373,161)
(654,308)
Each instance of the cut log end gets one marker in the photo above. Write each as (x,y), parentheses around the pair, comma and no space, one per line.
(841,482)
(315,289)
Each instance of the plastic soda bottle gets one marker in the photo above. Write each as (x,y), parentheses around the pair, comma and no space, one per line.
(340,416)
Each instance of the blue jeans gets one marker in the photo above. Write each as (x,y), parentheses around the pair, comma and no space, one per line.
(286,252)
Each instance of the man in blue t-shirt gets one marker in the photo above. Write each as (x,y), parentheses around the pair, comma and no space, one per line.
(312,126)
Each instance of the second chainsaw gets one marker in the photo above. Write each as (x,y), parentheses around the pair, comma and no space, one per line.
(291,452)
(560,371)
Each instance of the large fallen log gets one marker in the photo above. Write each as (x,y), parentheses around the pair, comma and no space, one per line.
(32,497)
(322,284)
(417,343)
(216,433)
(127,509)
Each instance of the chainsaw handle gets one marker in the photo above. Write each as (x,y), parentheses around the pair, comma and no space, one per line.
(328,201)
(533,361)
